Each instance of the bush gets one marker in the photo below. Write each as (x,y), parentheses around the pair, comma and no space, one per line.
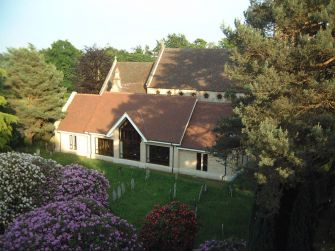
(80,181)
(26,182)
(170,227)
(78,224)
(225,245)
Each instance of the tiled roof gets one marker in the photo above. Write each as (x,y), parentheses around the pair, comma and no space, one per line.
(199,133)
(133,76)
(159,118)
(192,69)
(79,113)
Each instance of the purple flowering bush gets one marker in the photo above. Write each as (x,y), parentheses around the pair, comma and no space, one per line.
(78,224)
(26,182)
(225,245)
(80,181)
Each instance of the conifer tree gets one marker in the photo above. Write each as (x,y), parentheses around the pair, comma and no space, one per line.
(284,59)
(35,92)
(6,119)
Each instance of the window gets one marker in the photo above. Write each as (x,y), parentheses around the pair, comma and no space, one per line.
(198,161)
(104,147)
(219,96)
(169,93)
(181,93)
(202,163)
(206,95)
(158,92)
(131,141)
(158,155)
(73,142)
(193,94)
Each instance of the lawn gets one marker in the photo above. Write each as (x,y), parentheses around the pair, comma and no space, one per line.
(221,214)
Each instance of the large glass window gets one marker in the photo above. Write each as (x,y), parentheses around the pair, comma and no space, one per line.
(158,155)
(131,141)
(104,147)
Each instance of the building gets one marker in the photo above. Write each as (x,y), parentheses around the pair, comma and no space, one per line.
(170,130)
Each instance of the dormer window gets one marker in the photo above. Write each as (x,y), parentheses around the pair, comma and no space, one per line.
(206,95)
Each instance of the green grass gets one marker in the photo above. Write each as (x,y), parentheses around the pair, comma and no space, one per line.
(215,209)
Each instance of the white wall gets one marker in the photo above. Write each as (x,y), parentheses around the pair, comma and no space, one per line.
(62,140)
(187,164)
(181,160)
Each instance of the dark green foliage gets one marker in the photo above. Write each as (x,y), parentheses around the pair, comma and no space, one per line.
(92,69)
(6,125)
(261,231)
(303,220)
(180,41)
(138,54)
(34,92)
(65,57)
(284,59)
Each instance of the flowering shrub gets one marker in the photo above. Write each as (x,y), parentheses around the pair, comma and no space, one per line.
(225,245)
(170,227)
(26,182)
(80,181)
(78,224)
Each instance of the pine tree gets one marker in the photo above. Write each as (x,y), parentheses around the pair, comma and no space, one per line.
(6,120)
(284,59)
(35,92)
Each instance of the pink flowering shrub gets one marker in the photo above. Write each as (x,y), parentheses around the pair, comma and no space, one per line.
(26,182)
(80,181)
(169,227)
(225,245)
(78,224)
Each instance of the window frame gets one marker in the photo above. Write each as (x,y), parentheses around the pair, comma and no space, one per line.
(101,143)
(165,161)
(73,142)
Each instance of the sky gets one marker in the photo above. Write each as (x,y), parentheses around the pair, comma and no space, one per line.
(123,24)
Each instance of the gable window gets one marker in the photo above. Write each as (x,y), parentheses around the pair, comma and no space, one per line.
(130,140)
(73,142)
(104,147)
(158,155)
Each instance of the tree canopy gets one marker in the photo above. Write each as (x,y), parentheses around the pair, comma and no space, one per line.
(6,119)
(65,57)
(92,69)
(284,59)
(180,41)
(35,92)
